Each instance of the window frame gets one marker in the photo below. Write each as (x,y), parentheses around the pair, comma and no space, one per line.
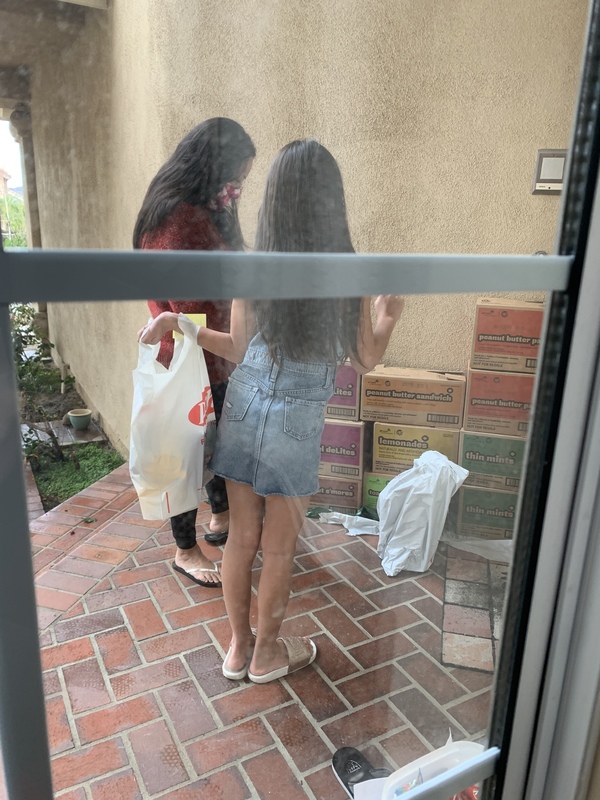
(544,721)
(45,275)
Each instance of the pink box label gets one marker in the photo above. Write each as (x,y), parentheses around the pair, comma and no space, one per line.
(345,392)
(341,444)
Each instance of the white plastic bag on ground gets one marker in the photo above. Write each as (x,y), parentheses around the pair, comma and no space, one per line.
(172,419)
(355,526)
(412,510)
(492,549)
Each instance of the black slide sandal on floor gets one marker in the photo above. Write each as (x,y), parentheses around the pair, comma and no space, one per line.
(351,767)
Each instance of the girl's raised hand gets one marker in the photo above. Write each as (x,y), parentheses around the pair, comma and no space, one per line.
(390,306)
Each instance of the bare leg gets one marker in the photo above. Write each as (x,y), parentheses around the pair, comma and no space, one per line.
(284,517)
(245,526)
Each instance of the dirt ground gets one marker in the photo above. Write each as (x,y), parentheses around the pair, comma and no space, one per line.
(53,405)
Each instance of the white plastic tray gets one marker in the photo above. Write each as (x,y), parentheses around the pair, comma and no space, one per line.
(430,766)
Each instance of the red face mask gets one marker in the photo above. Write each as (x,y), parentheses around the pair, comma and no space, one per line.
(225,197)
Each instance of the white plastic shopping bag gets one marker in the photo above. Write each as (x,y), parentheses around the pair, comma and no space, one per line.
(412,510)
(172,426)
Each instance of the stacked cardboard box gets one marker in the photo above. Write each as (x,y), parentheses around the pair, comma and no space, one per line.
(404,411)
(498,403)
(342,447)
(411,411)
(345,402)
(486,513)
(480,422)
(507,335)
(395,448)
(413,397)
(494,462)
(373,485)
(338,494)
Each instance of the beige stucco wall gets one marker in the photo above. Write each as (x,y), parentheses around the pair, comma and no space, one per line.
(434,111)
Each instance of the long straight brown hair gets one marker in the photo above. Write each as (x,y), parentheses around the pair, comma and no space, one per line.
(304,211)
(212,154)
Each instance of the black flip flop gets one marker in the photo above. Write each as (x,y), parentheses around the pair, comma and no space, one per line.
(351,767)
(207,584)
(216,538)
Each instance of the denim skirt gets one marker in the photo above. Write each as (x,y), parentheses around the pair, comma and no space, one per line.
(269,434)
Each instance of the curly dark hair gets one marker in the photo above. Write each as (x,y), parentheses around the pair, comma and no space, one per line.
(211,155)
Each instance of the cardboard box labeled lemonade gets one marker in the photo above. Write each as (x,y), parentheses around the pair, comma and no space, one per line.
(413,397)
(372,487)
(338,494)
(507,335)
(345,402)
(486,513)
(498,402)
(342,446)
(494,462)
(396,447)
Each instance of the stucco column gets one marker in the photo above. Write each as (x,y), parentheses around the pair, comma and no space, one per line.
(21,129)
(20,121)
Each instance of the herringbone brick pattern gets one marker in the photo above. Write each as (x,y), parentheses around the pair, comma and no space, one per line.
(137,706)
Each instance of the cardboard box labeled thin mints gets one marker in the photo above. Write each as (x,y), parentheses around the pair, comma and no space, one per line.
(396,447)
(342,447)
(373,485)
(413,397)
(498,402)
(494,462)
(338,494)
(486,513)
(507,335)
(345,401)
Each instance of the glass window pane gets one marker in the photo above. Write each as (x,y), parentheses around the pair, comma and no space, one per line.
(434,119)
(407,636)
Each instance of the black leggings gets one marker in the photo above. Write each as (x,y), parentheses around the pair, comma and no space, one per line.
(184,525)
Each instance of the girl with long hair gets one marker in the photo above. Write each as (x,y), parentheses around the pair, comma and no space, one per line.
(191,204)
(268,441)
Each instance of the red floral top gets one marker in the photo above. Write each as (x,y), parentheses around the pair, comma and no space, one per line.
(191,228)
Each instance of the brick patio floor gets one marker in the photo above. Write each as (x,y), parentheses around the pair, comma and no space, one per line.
(136,703)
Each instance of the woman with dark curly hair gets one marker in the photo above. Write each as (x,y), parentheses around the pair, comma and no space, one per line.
(191,204)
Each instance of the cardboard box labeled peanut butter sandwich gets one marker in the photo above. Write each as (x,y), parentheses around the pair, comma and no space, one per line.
(413,397)
(498,402)
(507,335)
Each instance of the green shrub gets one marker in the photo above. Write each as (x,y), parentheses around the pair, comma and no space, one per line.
(12,214)
(57,481)
(31,353)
